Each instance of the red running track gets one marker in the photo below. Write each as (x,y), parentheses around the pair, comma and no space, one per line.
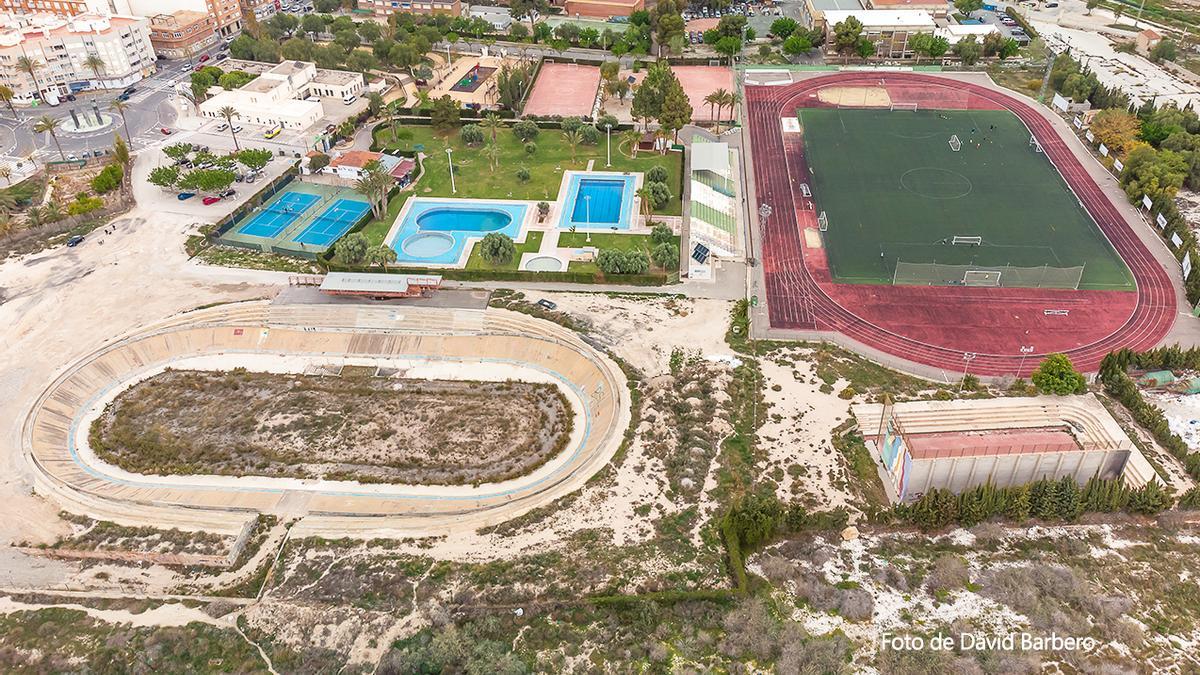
(935,326)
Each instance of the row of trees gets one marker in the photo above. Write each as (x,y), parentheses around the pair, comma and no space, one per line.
(1046,500)
(1119,385)
(356,249)
(1159,148)
(661,97)
(216,177)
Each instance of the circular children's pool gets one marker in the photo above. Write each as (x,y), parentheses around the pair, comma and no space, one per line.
(544,263)
(427,244)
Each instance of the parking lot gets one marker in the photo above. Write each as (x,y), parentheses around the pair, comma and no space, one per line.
(1006,26)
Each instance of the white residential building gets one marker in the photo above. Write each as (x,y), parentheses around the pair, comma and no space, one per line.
(62,46)
(888,29)
(277,97)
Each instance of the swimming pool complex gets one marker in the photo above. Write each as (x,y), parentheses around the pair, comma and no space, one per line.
(598,201)
(438,231)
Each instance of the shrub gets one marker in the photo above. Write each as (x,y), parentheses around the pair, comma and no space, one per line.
(526,130)
(660,194)
(530,148)
(84,204)
(108,179)
(656,174)
(661,234)
(665,255)
(570,124)
(352,249)
(523,174)
(623,262)
(606,120)
(543,209)
(472,135)
(318,161)
(497,248)
(589,134)
(1057,375)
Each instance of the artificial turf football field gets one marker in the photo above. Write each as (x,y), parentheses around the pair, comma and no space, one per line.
(890,184)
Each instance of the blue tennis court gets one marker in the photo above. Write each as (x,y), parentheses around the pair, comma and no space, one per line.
(333,222)
(278,215)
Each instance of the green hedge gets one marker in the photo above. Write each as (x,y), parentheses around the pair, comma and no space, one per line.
(513,275)
(1016,16)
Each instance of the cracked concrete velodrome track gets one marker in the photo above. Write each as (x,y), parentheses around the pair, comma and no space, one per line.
(331,334)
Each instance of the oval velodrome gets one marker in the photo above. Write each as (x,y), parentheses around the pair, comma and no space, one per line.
(56,428)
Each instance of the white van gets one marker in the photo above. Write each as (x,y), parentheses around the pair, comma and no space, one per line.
(349,98)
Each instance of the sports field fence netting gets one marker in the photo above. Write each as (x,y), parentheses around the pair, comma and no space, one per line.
(938,274)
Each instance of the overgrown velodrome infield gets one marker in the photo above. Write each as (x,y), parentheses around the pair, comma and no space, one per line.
(936,325)
(494,344)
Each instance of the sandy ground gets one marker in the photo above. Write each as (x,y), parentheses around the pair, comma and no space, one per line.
(644,329)
(60,303)
(795,435)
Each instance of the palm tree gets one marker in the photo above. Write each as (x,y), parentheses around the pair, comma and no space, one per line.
(31,66)
(35,217)
(8,203)
(53,212)
(6,173)
(492,152)
(97,65)
(713,100)
(573,139)
(632,137)
(6,95)
(229,112)
(367,187)
(661,135)
(8,226)
(48,123)
(118,106)
(393,111)
(383,183)
(492,122)
(646,198)
(732,99)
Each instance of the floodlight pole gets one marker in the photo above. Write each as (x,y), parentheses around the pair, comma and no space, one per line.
(1026,350)
(608,134)
(450,161)
(967,358)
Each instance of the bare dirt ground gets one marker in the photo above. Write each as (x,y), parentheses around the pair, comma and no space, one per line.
(371,429)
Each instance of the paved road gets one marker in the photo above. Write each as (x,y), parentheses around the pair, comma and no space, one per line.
(150,109)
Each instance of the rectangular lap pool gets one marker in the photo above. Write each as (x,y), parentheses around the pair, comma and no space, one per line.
(441,231)
(598,201)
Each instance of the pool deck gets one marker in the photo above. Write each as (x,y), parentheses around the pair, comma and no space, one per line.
(550,226)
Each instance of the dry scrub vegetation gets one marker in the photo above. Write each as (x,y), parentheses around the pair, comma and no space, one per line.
(370,429)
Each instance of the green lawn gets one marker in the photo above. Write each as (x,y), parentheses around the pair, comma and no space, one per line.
(533,241)
(474,178)
(894,191)
(607,241)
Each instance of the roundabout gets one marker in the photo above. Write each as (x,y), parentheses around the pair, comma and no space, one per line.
(491,345)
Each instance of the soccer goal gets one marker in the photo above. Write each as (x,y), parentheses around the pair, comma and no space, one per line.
(822,222)
(905,106)
(955,144)
(967,241)
(981,278)
(1035,144)
(804,190)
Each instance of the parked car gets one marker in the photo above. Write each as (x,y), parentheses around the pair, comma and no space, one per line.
(129,90)
(204,57)
(210,200)
(237,128)
(185,195)
(547,304)
(165,131)
(222,126)
(72,158)
(75,241)
(123,97)
(70,97)
(227,194)
(222,56)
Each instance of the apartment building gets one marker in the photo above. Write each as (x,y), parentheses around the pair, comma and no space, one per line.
(62,47)
(182,33)
(888,29)
(278,96)
(386,7)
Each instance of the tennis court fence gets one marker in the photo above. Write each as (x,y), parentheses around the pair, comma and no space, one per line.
(1007,276)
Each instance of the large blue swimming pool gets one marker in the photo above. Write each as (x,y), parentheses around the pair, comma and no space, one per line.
(439,231)
(599,202)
